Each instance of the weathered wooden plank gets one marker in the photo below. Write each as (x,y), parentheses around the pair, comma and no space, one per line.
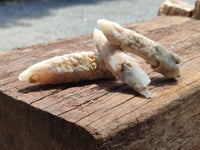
(104,114)
(176,8)
(180,8)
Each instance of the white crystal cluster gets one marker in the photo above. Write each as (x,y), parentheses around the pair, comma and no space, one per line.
(160,59)
(112,42)
(122,65)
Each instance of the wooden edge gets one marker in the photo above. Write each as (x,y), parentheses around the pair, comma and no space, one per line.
(27,127)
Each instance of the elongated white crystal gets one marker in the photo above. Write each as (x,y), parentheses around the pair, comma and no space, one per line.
(161,60)
(122,65)
(68,68)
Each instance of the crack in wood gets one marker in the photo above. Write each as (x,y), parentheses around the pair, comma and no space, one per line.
(81,105)
(54,92)
(9,82)
(147,103)
(82,91)
(116,107)
(112,90)
(46,108)
(106,111)
(86,103)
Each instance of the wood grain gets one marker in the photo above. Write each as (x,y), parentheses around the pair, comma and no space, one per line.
(104,114)
(176,8)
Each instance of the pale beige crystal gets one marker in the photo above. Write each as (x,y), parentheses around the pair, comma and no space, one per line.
(161,60)
(68,68)
(122,65)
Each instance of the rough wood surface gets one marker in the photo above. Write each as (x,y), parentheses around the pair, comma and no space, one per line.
(180,8)
(104,114)
(175,8)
